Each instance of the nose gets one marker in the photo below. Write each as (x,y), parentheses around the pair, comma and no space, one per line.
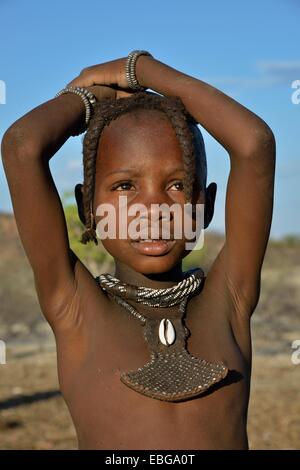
(155,216)
(156,205)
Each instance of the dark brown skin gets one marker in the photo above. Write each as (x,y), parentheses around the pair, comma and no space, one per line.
(96,339)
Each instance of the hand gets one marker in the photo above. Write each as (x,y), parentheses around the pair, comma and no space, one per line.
(109,73)
(104,91)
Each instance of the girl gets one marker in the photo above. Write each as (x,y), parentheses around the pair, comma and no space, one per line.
(146,146)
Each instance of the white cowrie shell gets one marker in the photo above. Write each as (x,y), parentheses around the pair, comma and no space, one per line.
(166,332)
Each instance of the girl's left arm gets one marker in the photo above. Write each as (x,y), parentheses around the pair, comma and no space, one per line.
(251,146)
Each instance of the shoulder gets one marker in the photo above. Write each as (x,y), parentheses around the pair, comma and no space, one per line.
(78,305)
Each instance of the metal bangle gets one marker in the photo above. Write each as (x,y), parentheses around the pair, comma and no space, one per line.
(130,69)
(92,99)
(88,99)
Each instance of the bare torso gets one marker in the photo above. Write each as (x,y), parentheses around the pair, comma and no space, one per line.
(106,340)
(97,339)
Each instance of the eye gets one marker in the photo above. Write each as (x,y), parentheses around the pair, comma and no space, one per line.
(178,184)
(123,186)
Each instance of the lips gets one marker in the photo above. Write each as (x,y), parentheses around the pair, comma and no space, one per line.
(153,247)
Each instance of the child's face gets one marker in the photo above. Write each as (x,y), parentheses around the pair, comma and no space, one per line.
(140,157)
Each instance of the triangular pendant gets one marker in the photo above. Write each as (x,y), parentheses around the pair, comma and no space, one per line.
(172,374)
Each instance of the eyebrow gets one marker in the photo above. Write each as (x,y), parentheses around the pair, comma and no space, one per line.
(137,173)
(127,170)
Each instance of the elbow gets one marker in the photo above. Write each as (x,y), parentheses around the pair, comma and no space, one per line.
(261,142)
(265,138)
(16,144)
(258,151)
(11,140)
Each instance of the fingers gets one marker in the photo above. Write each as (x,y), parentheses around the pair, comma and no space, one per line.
(124,94)
(85,79)
(83,82)
(108,73)
(102,91)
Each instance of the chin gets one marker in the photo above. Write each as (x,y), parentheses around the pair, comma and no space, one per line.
(153,265)
(141,263)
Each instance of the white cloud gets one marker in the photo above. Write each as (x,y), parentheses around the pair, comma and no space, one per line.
(270,74)
(290,170)
(74,164)
(284,70)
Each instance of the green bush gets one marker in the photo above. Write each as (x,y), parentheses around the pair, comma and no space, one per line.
(88,252)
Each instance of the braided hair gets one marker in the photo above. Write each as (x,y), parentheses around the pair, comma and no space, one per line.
(186,129)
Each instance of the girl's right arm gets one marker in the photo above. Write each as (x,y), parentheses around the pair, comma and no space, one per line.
(27,147)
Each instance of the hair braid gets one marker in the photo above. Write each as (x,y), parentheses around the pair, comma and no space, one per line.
(178,117)
(109,109)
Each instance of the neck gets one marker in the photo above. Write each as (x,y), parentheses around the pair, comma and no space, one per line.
(153,280)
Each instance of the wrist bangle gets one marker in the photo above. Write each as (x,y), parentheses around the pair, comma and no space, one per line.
(88,99)
(130,69)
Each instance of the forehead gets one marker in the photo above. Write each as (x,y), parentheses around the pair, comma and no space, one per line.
(142,137)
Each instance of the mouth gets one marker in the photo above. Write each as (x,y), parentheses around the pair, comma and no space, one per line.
(153,247)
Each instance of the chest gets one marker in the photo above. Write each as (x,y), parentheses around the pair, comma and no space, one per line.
(109,414)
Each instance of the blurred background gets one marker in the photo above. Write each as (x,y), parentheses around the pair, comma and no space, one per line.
(248,50)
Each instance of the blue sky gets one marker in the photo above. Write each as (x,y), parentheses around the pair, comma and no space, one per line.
(250,50)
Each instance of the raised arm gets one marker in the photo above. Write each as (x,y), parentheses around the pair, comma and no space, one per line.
(250,144)
(251,147)
(26,148)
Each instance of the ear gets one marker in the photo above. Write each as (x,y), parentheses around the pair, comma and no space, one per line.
(78,197)
(209,207)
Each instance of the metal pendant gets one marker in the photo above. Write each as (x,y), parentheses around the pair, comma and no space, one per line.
(172,374)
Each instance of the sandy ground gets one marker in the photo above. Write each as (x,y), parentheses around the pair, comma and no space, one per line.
(33,414)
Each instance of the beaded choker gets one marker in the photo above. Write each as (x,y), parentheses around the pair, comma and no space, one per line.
(172,374)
